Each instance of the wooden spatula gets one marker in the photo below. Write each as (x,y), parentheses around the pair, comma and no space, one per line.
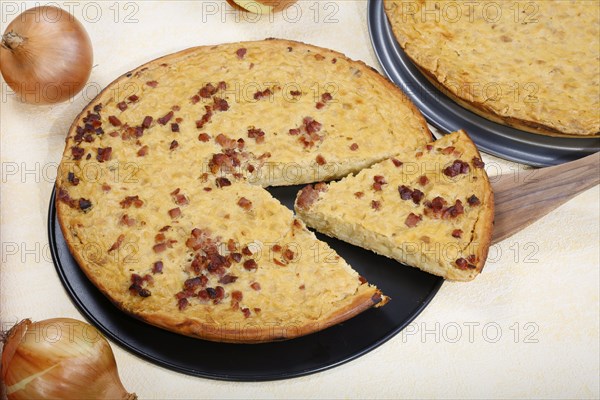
(524,198)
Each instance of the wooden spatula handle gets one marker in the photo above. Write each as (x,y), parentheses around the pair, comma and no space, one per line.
(522,199)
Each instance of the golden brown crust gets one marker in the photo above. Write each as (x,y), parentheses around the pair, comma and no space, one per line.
(482,110)
(514,68)
(268,333)
(176,179)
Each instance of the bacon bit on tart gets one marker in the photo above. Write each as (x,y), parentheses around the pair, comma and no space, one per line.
(166,118)
(262,94)
(407,193)
(147,122)
(231,246)
(457,167)
(412,220)
(308,132)
(203,137)
(320,160)
(354,147)
(250,265)
(477,163)
(137,283)
(226,142)
(72,179)
(175,127)
(296,93)
(435,207)
(417,196)
(143,151)
(457,233)
(194,283)
(77,152)
(131,200)
(159,248)
(448,150)
(114,121)
(288,255)
(397,163)
(179,198)
(325,98)
(379,182)
(122,106)
(246,312)
(362,279)
(205,118)
(174,144)
(311,125)
(376,205)
(307,196)
(227,279)
(126,220)
(63,196)
(256,134)
(220,104)
(246,251)
(279,263)
(359,195)
(84,204)
(157,267)
(245,203)
(117,243)
(237,295)
(223,182)
(423,180)
(133,98)
(182,304)
(235,257)
(473,201)
(453,211)
(175,212)
(152,84)
(241,53)
(255,286)
(207,91)
(106,187)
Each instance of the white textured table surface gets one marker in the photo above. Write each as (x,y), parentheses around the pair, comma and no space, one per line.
(527,327)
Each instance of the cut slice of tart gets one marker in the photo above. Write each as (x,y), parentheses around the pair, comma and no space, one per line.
(432,208)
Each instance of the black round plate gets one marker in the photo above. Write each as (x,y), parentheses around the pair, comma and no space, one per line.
(410,289)
(448,116)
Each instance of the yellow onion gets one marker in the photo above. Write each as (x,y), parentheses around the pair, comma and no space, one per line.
(59,358)
(262,7)
(45,55)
